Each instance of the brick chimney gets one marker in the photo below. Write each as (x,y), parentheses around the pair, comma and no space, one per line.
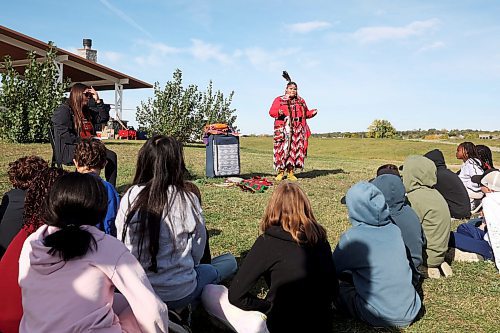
(87,51)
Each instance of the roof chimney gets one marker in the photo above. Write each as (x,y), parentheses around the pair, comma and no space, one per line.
(87,51)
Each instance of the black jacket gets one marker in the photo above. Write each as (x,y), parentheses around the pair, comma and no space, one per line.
(450,187)
(301,280)
(65,136)
(11,217)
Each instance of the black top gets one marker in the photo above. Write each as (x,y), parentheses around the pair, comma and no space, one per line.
(65,135)
(450,187)
(11,217)
(301,280)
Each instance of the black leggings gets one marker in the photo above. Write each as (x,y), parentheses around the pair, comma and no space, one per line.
(111,169)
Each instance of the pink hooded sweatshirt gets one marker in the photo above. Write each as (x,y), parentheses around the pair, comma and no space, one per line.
(78,295)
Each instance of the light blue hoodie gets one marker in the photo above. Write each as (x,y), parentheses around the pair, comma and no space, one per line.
(404,217)
(374,253)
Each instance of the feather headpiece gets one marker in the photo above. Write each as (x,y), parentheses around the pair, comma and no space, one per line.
(286,76)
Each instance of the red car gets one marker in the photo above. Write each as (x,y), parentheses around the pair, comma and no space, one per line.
(129,134)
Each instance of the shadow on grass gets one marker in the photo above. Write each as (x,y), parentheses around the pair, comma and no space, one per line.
(318,173)
(214,232)
(254,174)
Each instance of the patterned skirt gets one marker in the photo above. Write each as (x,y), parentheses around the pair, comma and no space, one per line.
(289,146)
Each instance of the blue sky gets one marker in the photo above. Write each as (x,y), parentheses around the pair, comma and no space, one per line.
(418,64)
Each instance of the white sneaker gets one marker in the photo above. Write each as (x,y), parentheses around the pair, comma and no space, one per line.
(431,272)
(446,269)
(463,256)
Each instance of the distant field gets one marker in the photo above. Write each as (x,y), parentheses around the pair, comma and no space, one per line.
(467,302)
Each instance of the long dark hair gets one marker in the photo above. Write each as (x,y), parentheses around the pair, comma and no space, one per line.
(75,200)
(160,165)
(484,153)
(78,105)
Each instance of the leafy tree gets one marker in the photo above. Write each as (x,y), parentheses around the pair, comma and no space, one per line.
(27,101)
(217,109)
(183,112)
(381,129)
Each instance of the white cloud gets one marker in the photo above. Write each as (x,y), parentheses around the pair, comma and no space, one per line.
(155,53)
(377,34)
(206,51)
(431,46)
(266,60)
(109,57)
(125,17)
(305,27)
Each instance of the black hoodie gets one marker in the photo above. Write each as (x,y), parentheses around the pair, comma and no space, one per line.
(301,279)
(450,187)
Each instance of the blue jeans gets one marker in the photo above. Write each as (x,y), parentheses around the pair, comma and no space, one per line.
(221,268)
(469,238)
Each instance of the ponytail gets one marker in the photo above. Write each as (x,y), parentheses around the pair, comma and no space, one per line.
(70,242)
(75,200)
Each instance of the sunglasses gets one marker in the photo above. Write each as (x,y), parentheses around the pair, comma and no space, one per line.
(88,94)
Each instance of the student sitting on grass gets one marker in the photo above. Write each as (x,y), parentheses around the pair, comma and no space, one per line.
(21,174)
(68,269)
(90,157)
(160,221)
(405,218)
(419,178)
(388,169)
(471,241)
(11,310)
(450,186)
(485,156)
(370,259)
(294,258)
(472,166)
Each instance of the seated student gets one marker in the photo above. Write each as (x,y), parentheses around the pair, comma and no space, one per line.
(21,173)
(485,156)
(450,186)
(11,309)
(376,279)
(471,239)
(160,221)
(68,269)
(467,152)
(294,257)
(419,178)
(405,218)
(388,169)
(90,157)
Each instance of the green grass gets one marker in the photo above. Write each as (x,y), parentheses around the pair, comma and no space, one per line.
(467,302)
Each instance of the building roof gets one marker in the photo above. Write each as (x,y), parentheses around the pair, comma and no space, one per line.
(75,68)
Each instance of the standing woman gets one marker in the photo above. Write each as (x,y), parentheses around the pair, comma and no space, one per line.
(75,119)
(291,132)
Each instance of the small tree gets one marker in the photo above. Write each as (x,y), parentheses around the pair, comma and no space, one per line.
(183,112)
(28,101)
(381,129)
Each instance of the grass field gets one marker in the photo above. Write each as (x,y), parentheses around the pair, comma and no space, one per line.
(467,302)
